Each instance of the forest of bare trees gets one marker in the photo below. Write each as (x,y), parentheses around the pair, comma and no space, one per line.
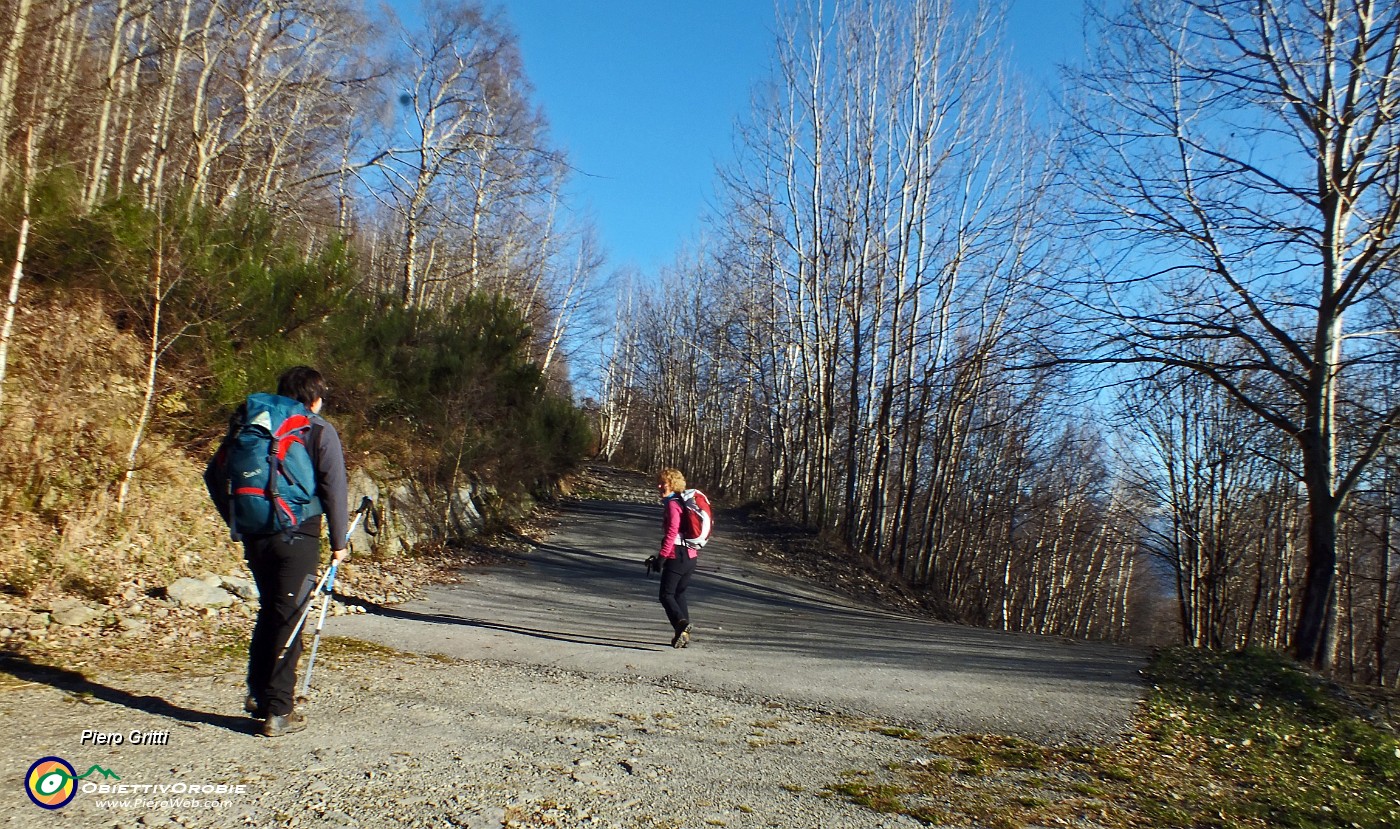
(1056,371)
(250,184)
(417,139)
(1060,377)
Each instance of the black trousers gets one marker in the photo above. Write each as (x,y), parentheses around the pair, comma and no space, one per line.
(675,578)
(285,572)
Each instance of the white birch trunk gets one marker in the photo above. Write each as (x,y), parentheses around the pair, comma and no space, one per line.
(9,77)
(97,169)
(17,271)
(153,353)
(153,189)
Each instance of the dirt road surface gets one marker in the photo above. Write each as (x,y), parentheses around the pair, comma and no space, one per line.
(543,692)
(582,602)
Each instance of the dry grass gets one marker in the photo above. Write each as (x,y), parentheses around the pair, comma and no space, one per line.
(1232,741)
(72,399)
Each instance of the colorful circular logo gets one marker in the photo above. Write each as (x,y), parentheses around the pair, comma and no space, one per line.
(51,782)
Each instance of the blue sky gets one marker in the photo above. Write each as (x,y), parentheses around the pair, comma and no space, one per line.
(643,96)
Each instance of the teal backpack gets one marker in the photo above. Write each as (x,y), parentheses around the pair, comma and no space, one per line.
(264,465)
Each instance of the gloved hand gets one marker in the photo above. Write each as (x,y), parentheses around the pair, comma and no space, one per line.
(653,565)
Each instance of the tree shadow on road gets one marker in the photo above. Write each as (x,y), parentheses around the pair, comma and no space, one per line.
(590,573)
(580,567)
(571,637)
(73,682)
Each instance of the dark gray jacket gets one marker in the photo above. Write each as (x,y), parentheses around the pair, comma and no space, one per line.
(332,482)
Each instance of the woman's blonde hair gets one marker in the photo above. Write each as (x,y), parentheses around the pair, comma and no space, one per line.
(672,478)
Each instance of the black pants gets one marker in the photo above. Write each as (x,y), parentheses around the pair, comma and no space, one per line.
(285,572)
(675,578)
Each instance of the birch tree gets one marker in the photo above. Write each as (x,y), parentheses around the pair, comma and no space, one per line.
(1220,510)
(15,33)
(897,233)
(110,96)
(453,85)
(619,368)
(849,336)
(17,268)
(1243,157)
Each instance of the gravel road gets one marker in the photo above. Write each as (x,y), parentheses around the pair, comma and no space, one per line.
(543,693)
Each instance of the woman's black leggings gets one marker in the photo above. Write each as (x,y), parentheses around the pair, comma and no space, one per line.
(675,578)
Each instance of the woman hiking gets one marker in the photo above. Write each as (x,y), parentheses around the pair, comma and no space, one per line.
(677,559)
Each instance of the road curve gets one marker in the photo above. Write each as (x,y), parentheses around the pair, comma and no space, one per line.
(582,602)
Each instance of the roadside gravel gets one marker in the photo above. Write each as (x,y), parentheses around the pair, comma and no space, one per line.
(416,741)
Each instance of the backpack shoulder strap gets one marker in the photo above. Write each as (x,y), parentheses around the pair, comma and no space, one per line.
(313,442)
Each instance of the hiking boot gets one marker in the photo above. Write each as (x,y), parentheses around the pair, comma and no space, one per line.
(682,637)
(279,724)
(255,709)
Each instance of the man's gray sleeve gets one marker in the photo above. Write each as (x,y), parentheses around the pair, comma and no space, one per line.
(332,483)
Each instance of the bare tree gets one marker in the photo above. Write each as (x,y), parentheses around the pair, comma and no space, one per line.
(17,270)
(159,340)
(847,338)
(1220,509)
(619,362)
(15,32)
(458,89)
(1244,157)
(111,91)
(270,84)
(562,296)
(874,197)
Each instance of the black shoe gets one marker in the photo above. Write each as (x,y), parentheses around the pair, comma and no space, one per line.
(279,724)
(682,637)
(255,709)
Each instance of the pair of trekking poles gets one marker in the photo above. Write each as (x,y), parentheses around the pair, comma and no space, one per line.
(325,585)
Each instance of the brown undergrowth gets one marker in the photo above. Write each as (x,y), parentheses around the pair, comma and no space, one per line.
(72,399)
(71,405)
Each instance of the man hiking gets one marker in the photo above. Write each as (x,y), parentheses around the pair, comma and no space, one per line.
(273,499)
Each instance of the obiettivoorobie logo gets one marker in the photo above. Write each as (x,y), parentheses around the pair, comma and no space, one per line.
(52,782)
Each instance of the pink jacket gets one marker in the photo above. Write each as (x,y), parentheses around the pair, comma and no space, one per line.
(671,526)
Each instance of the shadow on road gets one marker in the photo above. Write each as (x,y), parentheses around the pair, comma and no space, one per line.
(618,524)
(75,683)
(582,600)
(578,577)
(536,633)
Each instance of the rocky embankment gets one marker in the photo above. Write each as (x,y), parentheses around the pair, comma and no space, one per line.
(187,608)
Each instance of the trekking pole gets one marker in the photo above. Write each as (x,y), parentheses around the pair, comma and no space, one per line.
(329,576)
(365,506)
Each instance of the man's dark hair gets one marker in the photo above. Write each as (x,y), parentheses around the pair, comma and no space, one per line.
(302,383)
